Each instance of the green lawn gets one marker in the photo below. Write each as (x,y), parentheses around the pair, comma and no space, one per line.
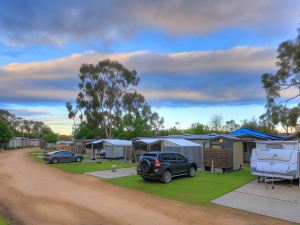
(83,166)
(200,189)
(3,221)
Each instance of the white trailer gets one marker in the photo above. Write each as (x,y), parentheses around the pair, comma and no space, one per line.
(276,159)
(275,163)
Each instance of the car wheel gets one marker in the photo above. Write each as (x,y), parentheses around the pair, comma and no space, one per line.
(167,177)
(55,161)
(145,166)
(192,171)
(78,159)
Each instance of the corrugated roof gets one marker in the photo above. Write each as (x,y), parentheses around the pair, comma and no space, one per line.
(118,142)
(182,142)
(147,140)
(254,133)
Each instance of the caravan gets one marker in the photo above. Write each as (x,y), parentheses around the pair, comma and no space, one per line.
(276,159)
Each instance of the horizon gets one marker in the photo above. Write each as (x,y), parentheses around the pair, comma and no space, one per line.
(195,59)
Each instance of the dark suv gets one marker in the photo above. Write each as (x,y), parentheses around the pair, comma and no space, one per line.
(164,165)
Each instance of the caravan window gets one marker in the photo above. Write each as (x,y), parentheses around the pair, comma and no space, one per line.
(277,146)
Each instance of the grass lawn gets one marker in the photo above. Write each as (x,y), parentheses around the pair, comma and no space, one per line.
(82,167)
(200,189)
(3,221)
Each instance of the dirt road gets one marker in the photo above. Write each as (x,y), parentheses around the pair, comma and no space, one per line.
(33,193)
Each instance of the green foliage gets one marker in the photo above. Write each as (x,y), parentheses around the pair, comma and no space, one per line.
(87,131)
(285,79)
(3,221)
(231,125)
(108,101)
(5,132)
(198,128)
(50,137)
(24,128)
(201,189)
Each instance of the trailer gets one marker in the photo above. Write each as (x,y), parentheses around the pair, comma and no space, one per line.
(275,163)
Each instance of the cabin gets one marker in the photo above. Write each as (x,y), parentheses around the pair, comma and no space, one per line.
(34,143)
(79,146)
(63,145)
(223,153)
(14,143)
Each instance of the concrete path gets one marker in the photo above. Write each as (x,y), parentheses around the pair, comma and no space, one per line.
(282,202)
(109,174)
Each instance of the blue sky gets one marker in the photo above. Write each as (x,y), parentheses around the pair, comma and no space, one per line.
(195,58)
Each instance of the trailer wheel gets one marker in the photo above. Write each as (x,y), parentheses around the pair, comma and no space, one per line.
(260,179)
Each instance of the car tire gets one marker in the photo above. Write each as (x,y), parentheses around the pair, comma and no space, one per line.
(145,166)
(78,159)
(167,177)
(192,171)
(55,161)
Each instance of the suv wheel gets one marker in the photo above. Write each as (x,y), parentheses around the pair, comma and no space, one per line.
(192,171)
(55,161)
(78,159)
(167,177)
(145,166)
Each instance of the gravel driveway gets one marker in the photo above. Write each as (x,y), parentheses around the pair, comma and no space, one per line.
(34,193)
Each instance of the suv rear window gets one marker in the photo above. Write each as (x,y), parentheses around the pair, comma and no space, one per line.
(150,154)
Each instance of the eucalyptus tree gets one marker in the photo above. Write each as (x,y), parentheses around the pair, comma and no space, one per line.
(107,99)
(283,86)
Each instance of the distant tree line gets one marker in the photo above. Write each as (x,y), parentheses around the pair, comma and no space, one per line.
(217,125)
(13,126)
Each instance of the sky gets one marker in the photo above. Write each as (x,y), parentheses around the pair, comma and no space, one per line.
(195,58)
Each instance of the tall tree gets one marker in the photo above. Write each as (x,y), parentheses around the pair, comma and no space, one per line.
(108,100)
(281,107)
(5,132)
(216,123)
(231,125)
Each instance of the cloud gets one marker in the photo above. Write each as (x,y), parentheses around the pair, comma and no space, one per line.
(27,111)
(189,78)
(59,22)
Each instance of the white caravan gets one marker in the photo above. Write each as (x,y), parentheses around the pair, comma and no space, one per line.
(276,159)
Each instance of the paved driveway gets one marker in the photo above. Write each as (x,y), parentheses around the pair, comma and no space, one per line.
(282,202)
(109,174)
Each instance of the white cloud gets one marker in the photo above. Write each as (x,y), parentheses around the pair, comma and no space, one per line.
(58,22)
(222,75)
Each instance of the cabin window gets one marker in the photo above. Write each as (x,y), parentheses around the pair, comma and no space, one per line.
(276,146)
(215,144)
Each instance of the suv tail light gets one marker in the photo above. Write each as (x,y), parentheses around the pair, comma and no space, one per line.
(157,164)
